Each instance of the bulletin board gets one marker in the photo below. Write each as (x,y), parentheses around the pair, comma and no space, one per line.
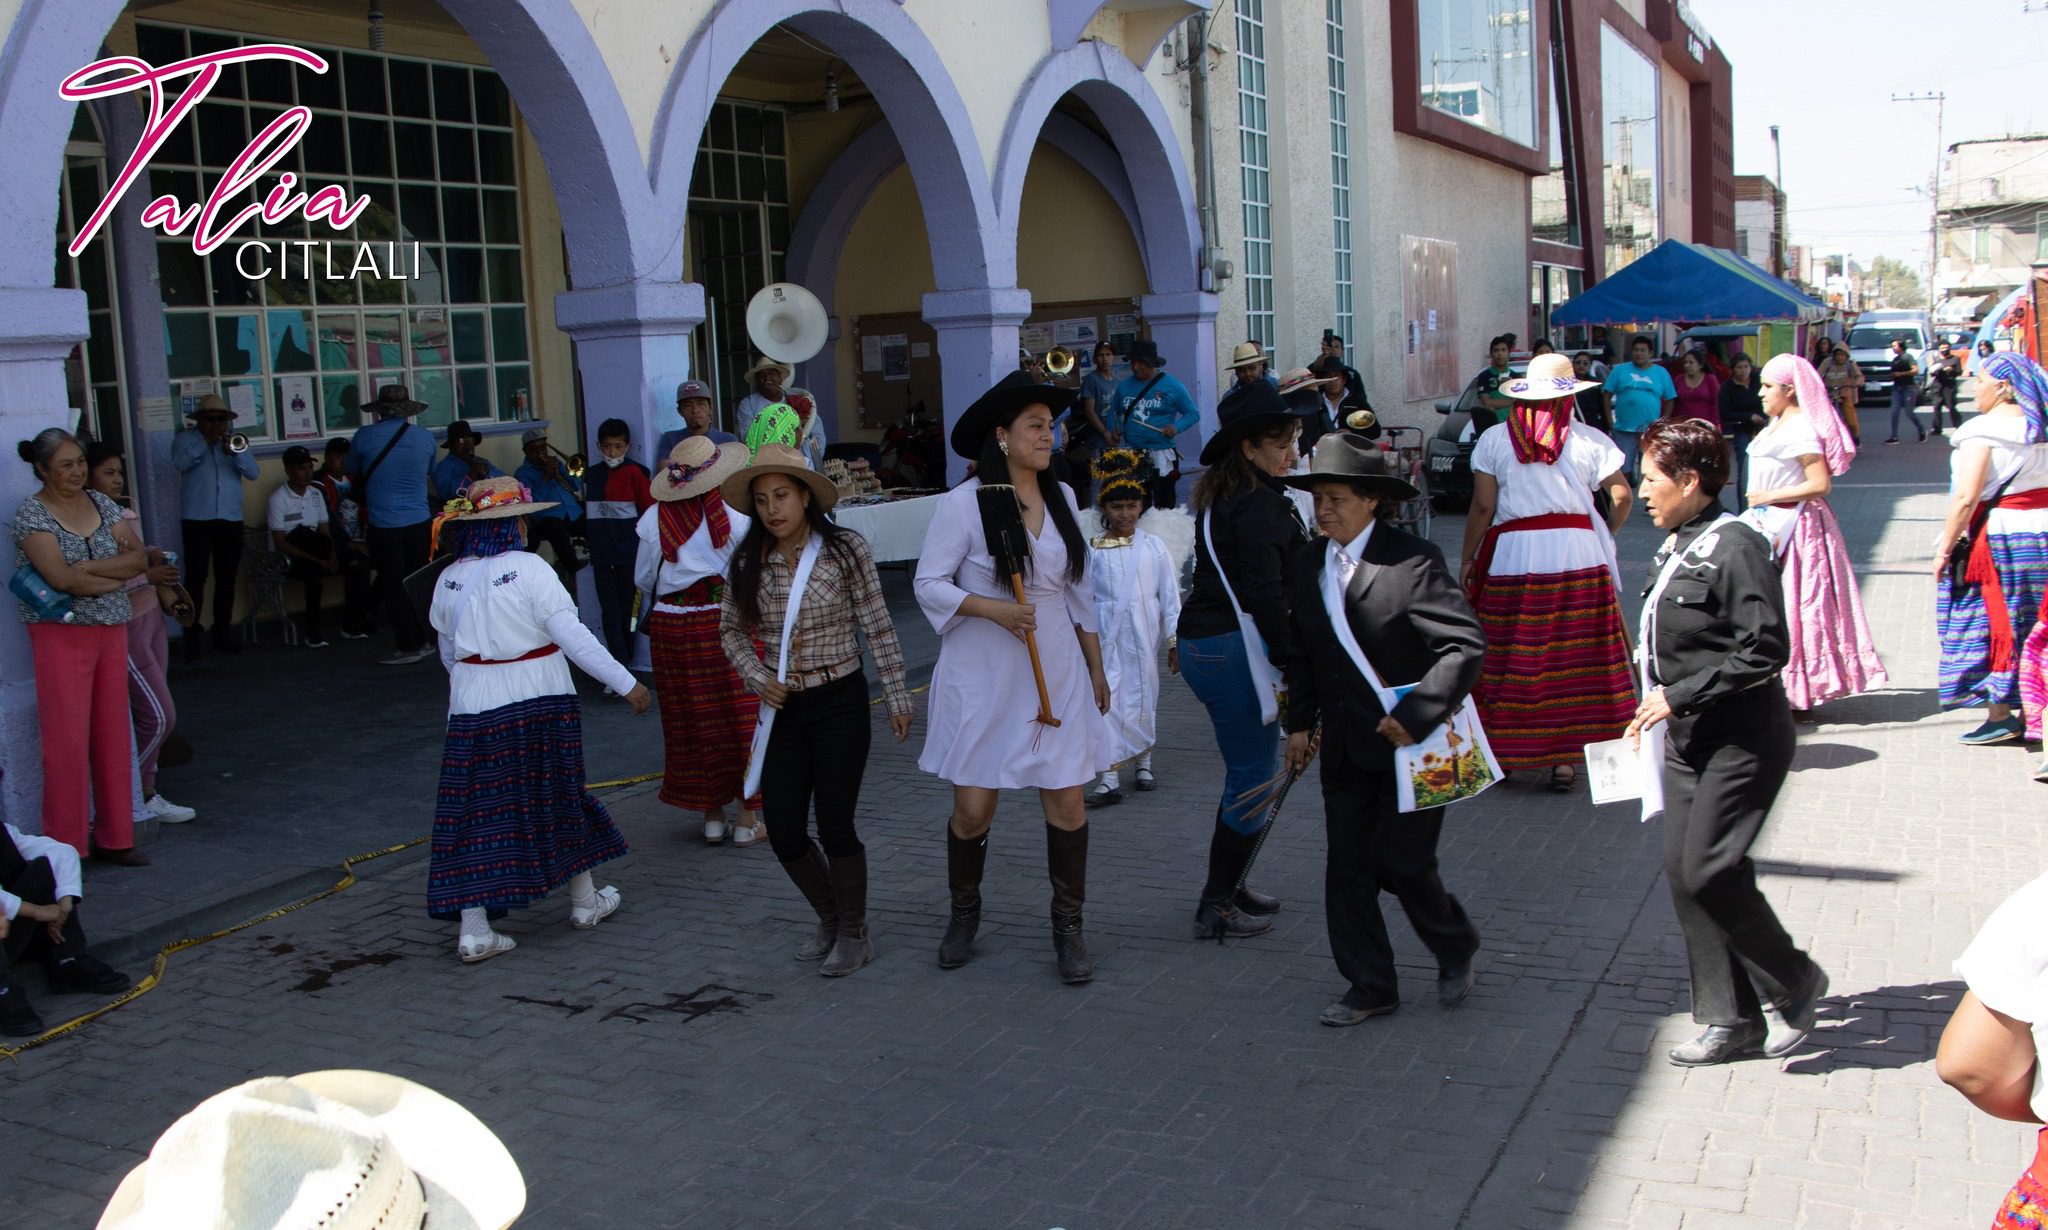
(896,354)
(1429,325)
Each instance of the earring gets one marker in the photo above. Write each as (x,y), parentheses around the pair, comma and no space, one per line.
(1005,446)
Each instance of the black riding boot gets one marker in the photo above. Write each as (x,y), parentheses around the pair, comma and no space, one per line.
(964,860)
(850,890)
(1217,916)
(814,881)
(1066,862)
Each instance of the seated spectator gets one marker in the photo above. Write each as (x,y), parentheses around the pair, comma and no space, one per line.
(461,466)
(344,1150)
(693,402)
(39,892)
(299,531)
(544,478)
(345,522)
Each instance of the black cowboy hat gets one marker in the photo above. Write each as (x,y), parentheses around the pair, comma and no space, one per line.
(1341,457)
(1145,350)
(1011,394)
(458,430)
(1245,411)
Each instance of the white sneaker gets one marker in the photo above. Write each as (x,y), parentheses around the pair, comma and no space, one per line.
(165,811)
(714,831)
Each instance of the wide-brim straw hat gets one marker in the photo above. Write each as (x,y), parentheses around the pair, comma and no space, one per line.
(764,364)
(502,496)
(1550,377)
(738,489)
(1246,411)
(1342,457)
(343,1149)
(1246,354)
(1010,394)
(696,465)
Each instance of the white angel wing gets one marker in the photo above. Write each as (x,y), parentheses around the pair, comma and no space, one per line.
(1176,528)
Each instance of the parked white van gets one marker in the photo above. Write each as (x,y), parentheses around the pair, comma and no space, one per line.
(1870,348)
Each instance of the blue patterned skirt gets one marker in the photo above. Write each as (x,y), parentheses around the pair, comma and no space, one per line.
(1967,679)
(512,822)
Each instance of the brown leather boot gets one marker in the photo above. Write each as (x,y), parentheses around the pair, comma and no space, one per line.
(1066,862)
(851,949)
(964,862)
(814,881)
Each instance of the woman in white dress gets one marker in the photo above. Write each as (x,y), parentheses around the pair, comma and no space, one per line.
(512,820)
(983,735)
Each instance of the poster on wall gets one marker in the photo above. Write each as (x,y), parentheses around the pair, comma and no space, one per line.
(871,352)
(1429,294)
(1077,333)
(295,395)
(896,356)
(242,400)
(1123,330)
(158,414)
(1035,338)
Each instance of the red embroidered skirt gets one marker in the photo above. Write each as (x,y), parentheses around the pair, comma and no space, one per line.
(707,714)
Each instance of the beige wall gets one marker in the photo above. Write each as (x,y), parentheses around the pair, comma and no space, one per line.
(1674,117)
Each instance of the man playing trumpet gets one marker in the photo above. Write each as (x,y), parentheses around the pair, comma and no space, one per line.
(210,476)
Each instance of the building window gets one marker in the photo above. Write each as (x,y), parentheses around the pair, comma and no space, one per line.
(93,379)
(739,223)
(1476,60)
(1554,197)
(432,146)
(1550,288)
(1254,158)
(2041,235)
(1980,245)
(1629,173)
(1340,172)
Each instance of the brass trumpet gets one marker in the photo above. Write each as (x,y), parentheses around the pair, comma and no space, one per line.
(577,461)
(238,443)
(1059,361)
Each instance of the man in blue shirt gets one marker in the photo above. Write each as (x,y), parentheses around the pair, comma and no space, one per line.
(1152,409)
(390,460)
(543,476)
(461,466)
(1639,392)
(693,403)
(211,478)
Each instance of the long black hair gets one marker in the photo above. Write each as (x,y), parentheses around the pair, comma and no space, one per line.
(993,466)
(744,578)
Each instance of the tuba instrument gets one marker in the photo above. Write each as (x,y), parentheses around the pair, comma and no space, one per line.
(786,323)
(1361,420)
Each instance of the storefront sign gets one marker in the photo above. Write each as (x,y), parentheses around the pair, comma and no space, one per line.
(209,228)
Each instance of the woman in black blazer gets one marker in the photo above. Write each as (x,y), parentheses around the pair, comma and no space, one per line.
(1714,635)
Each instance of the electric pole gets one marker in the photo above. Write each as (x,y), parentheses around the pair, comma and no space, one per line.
(1940,101)
(1778,213)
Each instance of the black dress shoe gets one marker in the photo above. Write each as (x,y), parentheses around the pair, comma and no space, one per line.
(1453,986)
(1354,1009)
(1720,1044)
(88,974)
(18,1017)
(1250,901)
(1786,1027)
(1104,798)
(1215,920)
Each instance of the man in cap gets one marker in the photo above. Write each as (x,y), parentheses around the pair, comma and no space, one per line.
(389,462)
(1152,410)
(542,475)
(1403,619)
(303,532)
(1333,349)
(462,466)
(693,403)
(210,481)
(768,378)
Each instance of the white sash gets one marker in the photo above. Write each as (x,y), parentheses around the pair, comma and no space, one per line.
(1651,747)
(1264,681)
(764,720)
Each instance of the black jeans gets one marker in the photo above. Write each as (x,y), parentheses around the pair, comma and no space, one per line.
(614,585)
(554,531)
(1945,395)
(1373,849)
(1722,772)
(355,578)
(213,548)
(34,881)
(817,752)
(396,554)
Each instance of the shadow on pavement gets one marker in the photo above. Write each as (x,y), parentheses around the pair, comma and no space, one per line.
(1830,756)
(1890,1027)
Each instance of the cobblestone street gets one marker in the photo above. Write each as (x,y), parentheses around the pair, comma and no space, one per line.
(676,1068)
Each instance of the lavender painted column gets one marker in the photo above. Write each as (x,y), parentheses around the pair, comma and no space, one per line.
(38,327)
(140,307)
(977,346)
(1184,326)
(632,349)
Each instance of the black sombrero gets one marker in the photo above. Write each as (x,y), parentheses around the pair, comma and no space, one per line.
(1011,394)
(1245,411)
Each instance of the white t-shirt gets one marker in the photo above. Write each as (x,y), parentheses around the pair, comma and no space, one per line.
(1530,488)
(289,512)
(2007,966)
(2006,436)
(1775,451)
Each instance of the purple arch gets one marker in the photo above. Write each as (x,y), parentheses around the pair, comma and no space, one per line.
(1169,233)
(541,48)
(914,89)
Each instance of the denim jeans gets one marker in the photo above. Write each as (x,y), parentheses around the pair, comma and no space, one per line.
(1219,675)
(1631,446)
(1904,395)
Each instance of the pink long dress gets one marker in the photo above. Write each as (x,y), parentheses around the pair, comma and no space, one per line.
(1833,654)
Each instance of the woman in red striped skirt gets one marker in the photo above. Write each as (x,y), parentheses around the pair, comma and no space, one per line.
(1539,565)
(707,715)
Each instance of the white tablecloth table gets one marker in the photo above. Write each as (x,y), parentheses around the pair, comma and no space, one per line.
(895,530)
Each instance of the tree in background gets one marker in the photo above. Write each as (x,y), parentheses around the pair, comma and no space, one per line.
(1893,284)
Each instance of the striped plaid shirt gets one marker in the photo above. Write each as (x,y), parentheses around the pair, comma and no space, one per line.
(844,595)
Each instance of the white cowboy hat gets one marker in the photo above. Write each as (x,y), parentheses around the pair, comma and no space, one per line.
(1550,377)
(1246,354)
(738,490)
(762,365)
(694,466)
(343,1150)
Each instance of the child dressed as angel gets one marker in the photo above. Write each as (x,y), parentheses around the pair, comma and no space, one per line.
(1137,605)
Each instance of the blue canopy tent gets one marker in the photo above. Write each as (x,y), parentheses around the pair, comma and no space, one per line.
(1689,283)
